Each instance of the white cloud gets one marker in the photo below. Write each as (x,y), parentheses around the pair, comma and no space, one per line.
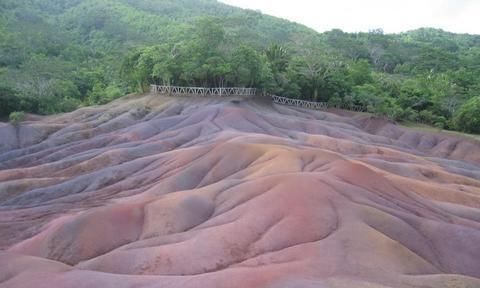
(462,16)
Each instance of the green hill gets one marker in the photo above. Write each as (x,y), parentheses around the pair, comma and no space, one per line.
(56,55)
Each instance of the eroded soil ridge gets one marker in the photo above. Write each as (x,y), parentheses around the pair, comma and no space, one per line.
(160,192)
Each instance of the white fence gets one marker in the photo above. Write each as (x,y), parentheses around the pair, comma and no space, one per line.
(200,91)
(315,105)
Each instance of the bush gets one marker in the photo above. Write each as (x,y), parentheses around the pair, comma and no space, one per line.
(388,108)
(367,95)
(102,95)
(335,101)
(426,116)
(68,104)
(410,115)
(467,118)
(9,101)
(440,122)
(17,117)
(112,92)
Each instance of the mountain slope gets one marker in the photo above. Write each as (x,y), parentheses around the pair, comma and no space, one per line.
(60,52)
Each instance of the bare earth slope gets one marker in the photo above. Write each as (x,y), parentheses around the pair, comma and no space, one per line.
(160,192)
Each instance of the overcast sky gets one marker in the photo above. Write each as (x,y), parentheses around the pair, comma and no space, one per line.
(461,16)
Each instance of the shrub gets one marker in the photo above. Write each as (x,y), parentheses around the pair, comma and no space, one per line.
(440,122)
(426,116)
(467,118)
(68,104)
(17,117)
(9,101)
(410,115)
(102,95)
(335,101)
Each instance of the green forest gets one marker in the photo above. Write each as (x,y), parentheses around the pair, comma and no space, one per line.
(58,55)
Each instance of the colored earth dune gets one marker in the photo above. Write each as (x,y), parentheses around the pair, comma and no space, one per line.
(151,191)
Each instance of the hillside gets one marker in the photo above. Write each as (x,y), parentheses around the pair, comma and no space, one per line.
(152,191)
(58,55)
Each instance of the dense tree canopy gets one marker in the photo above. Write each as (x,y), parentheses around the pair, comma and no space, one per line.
(58,55)
(468,116)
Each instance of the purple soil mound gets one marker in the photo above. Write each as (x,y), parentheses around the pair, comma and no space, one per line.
(160,192)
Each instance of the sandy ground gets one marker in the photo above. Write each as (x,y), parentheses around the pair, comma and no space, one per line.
(150,191)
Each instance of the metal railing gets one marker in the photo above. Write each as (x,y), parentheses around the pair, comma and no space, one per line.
(315,105)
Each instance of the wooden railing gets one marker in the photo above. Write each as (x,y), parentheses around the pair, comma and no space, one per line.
(223,92)
(200,91)
(315,105)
